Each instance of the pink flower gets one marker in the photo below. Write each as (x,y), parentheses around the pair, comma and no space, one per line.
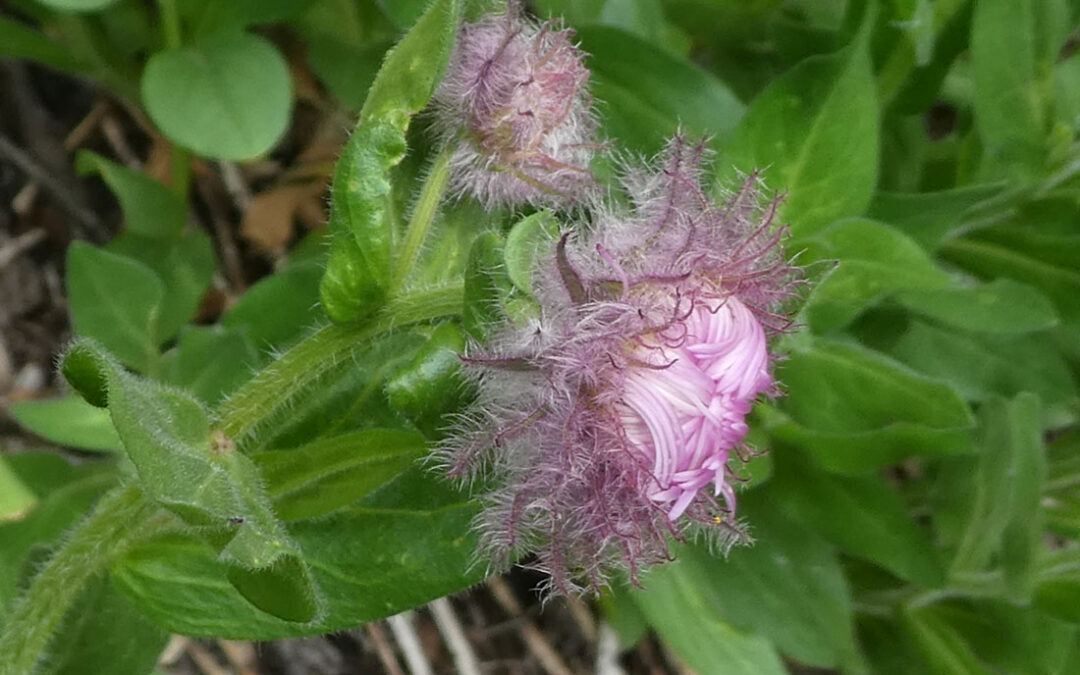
(604,422)
(514,107)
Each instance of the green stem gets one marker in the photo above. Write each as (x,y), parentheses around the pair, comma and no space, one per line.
(276,388)
(180,161)
(121,518)
(894,72)
(423,216)
(170,23)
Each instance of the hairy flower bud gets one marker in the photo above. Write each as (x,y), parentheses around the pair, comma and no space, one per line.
(514,107)
(603,423)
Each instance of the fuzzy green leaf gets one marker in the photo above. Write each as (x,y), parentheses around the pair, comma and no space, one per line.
(183,466)
(406,543)
(361,217)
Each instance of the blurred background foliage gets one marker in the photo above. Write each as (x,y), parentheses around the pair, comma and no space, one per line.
(919,510)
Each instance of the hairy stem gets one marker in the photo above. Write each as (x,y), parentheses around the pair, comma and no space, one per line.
(282,383)
(423,215)
(121,518)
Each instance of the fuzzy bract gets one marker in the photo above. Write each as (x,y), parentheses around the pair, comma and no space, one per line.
(614,422)
(514,108)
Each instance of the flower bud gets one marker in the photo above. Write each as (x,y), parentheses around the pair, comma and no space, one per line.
(514,108)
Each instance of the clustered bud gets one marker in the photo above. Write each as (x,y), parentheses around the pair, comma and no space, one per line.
(514,108)
(602,422)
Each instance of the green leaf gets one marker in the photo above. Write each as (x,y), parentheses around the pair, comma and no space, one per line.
(403,545)
(69,421)
(487,285)
(1005,517)
(64,494)
(210,361)
(15,497)
(854,410)
(226,97)
(978,365)
(862,515)
(186,266)
(943,648)
(182,465)
(347,399)
(531,237)
(873,261)
(431,386)
(105,633)
(1058,591)
(1001,306)
(1013,46)
(19,41)
(78,5)
(622,614)
(683,617)
(150,209)
(115,300)
(1007,638)
(329,474)
(1032,249)
(814,133)
(647,94)
(278,309)
(403,13)
(361,217)
(928,217)
(348,70)
(787,588)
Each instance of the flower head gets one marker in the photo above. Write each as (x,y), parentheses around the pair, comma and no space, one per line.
(615,421)
(514,107)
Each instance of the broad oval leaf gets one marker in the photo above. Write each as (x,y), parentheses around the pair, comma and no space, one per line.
(227,97)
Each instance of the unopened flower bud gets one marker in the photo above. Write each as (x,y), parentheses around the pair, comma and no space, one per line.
(514,107)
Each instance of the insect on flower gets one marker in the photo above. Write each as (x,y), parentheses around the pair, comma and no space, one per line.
(615,422)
